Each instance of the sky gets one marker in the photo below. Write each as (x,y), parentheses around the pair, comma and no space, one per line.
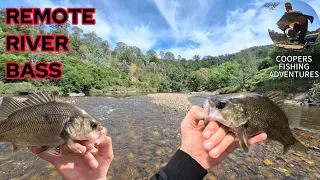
(184,27)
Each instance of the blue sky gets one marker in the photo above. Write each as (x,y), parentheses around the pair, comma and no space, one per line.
(184,27)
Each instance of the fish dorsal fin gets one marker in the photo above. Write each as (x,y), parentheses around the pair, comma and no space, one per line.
(197,100)
(38,98)
(276,97)
(9,106)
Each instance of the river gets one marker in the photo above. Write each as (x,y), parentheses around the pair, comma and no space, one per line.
(146,135)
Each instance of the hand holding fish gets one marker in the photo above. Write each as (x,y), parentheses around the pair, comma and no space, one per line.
(208,144)
(220,142)
(92,163)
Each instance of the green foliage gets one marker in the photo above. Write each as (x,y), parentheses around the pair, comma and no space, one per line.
(315,91)
(77,79)
(9,58)
(18,88)
(198,80)
(222,76)
(230,89)
(264,64)
(262,82)
(96,92)
(93,68)
(50,89)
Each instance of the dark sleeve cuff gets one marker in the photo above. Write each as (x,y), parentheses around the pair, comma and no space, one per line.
(182,166)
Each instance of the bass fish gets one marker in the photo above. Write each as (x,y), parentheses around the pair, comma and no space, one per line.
(43,122)
(248,114)
(290,18)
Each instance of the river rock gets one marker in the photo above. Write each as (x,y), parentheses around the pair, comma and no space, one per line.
(76,94)
(300,97)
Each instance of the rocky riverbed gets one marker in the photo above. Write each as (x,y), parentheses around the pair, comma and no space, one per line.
(145,133)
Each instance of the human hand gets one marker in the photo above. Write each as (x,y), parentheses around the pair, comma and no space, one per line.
(92,163)
(195,136)
(220,142)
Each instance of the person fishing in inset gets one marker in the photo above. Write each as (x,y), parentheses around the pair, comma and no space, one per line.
(294,24)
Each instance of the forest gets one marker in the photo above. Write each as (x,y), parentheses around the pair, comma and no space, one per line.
(92,66)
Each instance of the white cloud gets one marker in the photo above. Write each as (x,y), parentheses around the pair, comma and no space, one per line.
(243,29)
(168,10)
(139,35)
(186,20)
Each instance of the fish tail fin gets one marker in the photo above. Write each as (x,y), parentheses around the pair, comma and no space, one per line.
(297,146)
(311,19)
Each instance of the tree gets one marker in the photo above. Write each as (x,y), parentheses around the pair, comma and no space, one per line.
(223,75)
(248,66)
(152,56)
(161,54)
(151,53)
(169,56)
(271,5)
(196,57)
(177,79)
(198,80)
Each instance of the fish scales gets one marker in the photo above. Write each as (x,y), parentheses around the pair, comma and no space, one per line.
(268,120)
(248,114)
(43,122)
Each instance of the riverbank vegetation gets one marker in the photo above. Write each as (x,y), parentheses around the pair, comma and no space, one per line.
(93,66)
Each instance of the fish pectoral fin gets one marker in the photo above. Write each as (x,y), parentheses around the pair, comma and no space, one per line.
(42,149)
(244,144)
(16,148)
(71,145)
(55,151)
(243,139)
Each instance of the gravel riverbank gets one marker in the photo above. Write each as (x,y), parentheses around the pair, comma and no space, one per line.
(175,101)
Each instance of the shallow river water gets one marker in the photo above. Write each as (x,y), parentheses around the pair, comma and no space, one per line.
(146,135)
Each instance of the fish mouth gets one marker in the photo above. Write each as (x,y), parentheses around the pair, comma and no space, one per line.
(213,114)
(98,137)
(93,137)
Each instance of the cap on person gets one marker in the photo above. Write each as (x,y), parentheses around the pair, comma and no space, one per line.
(288,6)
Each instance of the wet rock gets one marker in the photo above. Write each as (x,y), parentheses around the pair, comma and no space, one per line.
(316,175)
(301,97)
(267,162)
(210,177)
(284,171)
(130,156)
(76,94)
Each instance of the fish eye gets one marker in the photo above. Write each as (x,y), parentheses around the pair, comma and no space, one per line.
(94,125)
(220,104)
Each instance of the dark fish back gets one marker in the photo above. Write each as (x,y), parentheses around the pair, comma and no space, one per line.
(38,124)
(266,116)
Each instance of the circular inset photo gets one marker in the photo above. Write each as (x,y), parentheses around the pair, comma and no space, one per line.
(294,25)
